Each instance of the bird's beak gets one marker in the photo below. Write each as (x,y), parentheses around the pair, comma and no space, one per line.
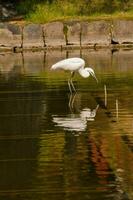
(95,77)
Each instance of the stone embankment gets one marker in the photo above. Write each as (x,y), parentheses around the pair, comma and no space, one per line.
(62,35)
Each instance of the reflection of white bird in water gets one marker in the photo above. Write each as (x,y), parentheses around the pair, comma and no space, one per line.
(74,64)
(76,122)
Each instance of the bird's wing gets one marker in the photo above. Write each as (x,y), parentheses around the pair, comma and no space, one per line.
(74,124)
(69,64)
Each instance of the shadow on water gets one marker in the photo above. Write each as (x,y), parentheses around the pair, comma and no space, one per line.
(54,145)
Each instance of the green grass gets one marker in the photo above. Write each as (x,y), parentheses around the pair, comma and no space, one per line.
(46,12)
(61,10)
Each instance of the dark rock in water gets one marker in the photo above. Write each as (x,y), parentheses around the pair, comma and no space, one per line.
(114,41)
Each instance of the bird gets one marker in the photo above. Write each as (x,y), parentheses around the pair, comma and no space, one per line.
(74,65)
(76,122)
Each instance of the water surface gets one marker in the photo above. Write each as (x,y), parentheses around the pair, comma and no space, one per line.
(58,146)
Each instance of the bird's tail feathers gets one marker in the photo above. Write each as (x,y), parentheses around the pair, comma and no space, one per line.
(53,67)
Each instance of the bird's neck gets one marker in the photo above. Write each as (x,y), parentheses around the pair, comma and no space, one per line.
(84,73)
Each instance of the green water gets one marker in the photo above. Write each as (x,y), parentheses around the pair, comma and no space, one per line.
(57,146)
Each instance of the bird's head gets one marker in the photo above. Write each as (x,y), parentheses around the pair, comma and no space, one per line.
(91,72)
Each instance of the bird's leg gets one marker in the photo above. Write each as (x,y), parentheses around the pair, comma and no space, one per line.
(69,85)
(71,101)
(72,75)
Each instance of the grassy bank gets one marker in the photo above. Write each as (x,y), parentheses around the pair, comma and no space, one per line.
(79,9)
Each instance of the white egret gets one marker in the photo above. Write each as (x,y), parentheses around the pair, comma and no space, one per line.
(76,122)
(73,65)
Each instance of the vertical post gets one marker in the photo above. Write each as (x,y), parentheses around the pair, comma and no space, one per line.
(117,109)
(105,95)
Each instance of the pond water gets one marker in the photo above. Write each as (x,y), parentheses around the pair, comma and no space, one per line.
(57,146)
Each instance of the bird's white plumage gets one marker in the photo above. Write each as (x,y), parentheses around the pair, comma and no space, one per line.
(72,64)
(76,122)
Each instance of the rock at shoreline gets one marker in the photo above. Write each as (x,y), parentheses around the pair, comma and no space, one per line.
(73,33)
(123,31)
(96,32)
(32,36)
(53,34)
(10,35)
(88,34)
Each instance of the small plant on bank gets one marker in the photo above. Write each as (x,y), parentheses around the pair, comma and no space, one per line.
(42,11)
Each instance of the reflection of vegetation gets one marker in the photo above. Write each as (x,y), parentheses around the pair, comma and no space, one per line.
(42,10)
(117,79)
